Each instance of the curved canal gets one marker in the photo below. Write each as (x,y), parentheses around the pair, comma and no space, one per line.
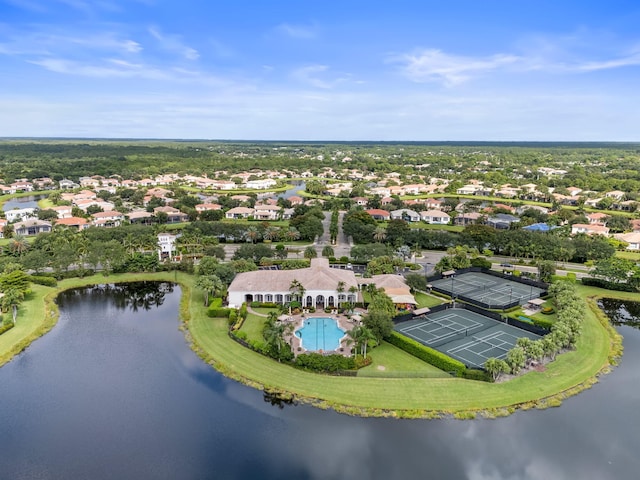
(113,391)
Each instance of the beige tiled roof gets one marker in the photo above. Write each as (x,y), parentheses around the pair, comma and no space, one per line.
(317,277)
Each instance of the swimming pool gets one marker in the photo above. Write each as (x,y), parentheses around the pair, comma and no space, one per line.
(318,333)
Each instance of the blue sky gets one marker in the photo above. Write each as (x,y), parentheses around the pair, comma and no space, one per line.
(542,70)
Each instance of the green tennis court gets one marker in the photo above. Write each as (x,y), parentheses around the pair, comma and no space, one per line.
(487,289)
(464,335)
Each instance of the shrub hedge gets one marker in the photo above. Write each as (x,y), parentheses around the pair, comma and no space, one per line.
(429,355)
(599,282)
(42,280)
(324,363)
(543,322)
(4,326)
(217,312)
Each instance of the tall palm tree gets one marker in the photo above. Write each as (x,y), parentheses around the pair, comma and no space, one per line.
(367,338)
(271,233)
(211,284)
(380,234)
(253,234)
(292,234)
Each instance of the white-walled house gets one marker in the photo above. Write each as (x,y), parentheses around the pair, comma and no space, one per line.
(405,214)
(167,245)
(435,217)
(320,283)
(589,229)
(20,214)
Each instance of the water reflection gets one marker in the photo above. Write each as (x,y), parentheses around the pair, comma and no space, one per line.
(621,312)
(124,296)
(114,392)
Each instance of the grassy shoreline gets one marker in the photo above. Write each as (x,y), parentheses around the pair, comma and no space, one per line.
(572,372)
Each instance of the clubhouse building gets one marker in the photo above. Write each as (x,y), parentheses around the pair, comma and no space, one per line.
(320,283)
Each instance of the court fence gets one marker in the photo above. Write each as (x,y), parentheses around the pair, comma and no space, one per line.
(475,309)
(490,306)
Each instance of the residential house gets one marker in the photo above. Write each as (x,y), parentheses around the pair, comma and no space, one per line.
(633,239)
(63,211)
(470,218)
(379,214)
(597,218)
(615,194)
(502,221)
(296,200)
(433,204)
(85,204)
(20,214)
(573,191)
(266,212)
(22,185)
(167,245)
(405,214)
(205,207)
(77,223)
(107,219)
(589,229)
(287,213)
(261,184)
(30,228)
(362,201)
(239,212)
(173,214)
(140,216)
(435,217)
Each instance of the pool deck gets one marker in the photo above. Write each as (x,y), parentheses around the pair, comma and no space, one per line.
(344,323)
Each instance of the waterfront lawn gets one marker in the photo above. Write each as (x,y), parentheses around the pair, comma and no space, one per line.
(409,397)
(252,326)
(388,360)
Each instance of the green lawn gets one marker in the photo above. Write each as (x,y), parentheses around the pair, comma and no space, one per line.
(390,361)
(425,300)
(379,396)
(428,226)
(252,326)
(629,255)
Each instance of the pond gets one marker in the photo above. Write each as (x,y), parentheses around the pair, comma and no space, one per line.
(113,391)
(30,201)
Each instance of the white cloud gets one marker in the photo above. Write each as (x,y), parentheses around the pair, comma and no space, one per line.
(313,75)
(174,43)
(297,31)
(435,65)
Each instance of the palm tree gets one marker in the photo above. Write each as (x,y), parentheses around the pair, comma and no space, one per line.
(10,300)
(380,234)
(271,233)
(292,234)
(211,284)
(353,290)
(367,338)
(252,234)
(297,289)
(273,334)
(18,245)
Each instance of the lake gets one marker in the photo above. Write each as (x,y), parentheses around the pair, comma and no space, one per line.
(30,201)
(113,391)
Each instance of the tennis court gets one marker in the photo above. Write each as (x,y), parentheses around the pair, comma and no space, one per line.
(487,289)
(464,335)
(443,327)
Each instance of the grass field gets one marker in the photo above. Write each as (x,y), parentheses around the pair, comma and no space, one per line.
(377,396)
(425,300)
(252,326)
(388,360)
(635,256)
